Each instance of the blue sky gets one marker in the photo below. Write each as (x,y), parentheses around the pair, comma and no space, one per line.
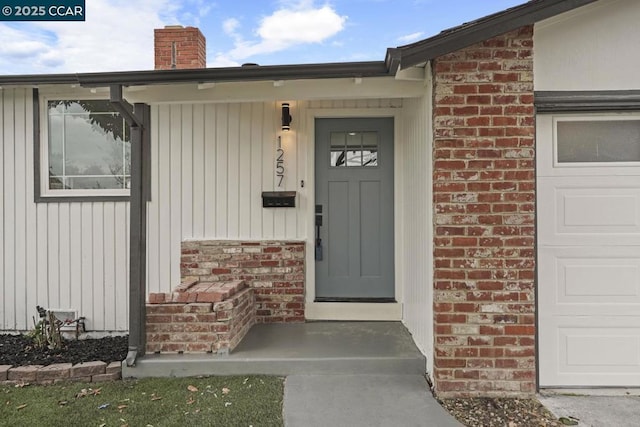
(118,34)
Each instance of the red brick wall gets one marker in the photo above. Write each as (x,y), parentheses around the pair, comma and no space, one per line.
(274,269)
(190,48)
(484,194)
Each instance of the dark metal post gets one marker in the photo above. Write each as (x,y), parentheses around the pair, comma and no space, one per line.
(138,118)
(141,195)
(136,286)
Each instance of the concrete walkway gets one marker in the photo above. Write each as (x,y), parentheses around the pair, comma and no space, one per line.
(362,400)
(604,409)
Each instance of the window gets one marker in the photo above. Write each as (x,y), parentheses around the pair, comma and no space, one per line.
(598,140)
(85,149)
(354,149)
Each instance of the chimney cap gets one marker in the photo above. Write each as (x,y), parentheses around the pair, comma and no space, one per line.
(173,27)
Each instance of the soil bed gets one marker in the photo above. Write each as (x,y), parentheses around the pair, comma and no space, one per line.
(499,412)
(19,350)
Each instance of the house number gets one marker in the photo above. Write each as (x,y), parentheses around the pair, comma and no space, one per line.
(280,166)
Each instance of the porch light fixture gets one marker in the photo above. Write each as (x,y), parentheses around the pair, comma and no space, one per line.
(286,117)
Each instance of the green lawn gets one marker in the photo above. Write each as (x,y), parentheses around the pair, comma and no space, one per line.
(212,401)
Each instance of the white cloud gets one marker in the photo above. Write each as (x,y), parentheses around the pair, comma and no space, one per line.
(13,46)
(222,60)
(411,37)
(301,26)
(117,35)
(289,26)
(230,26)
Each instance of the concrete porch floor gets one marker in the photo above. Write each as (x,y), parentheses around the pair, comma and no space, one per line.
(319,348)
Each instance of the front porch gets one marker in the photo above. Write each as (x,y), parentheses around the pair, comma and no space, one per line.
(332,348)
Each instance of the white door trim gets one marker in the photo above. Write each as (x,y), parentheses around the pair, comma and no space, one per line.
(353,311)
(350,311)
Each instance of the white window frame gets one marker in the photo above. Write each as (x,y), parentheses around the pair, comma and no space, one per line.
(45,191)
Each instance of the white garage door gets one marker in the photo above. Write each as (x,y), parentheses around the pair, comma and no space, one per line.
(589,250)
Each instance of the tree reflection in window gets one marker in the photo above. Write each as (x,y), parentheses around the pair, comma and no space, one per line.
(89,146)
(354,149)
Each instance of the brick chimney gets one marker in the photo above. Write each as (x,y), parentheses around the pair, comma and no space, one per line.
(180,48)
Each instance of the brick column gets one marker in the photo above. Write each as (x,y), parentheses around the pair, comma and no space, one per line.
(484,195)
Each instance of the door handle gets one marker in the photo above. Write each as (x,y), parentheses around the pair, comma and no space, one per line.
(318,246)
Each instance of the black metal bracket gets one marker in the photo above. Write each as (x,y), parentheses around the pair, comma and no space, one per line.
(123,107)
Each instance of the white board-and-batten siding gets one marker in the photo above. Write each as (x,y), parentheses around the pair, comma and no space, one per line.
(416,232)
(56,255)
(210,164)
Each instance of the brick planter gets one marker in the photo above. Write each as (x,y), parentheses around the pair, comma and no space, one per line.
(200,318)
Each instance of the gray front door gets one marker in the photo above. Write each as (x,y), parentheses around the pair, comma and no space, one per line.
(354,209)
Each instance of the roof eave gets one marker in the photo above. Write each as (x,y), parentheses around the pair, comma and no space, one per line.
(483,29)
(36,79)
(207,75)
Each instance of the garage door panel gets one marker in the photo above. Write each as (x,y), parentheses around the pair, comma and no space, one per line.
(589,280)
(600,348)
(586,211)
(588,214)
(583,352)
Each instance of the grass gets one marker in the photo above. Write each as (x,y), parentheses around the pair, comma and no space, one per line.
(212,401)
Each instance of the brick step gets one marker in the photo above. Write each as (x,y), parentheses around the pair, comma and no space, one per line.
(191,291)
(202,326)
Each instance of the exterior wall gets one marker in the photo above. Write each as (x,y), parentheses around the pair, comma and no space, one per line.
(417,232)
(273,269)
(591,48)
(484,195)
(57,255)
(210,164)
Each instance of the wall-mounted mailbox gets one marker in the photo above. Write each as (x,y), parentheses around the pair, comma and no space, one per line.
(278,199)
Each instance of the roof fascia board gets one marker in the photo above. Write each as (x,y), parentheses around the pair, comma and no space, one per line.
(206,75)
(37,79)
(392,59)
(485,28)
(250,73)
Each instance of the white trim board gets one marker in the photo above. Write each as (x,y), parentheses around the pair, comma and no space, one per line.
(353,311)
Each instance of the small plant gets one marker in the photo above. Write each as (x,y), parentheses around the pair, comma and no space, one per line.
(46,332)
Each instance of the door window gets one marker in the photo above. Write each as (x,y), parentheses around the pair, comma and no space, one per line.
(354,149)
